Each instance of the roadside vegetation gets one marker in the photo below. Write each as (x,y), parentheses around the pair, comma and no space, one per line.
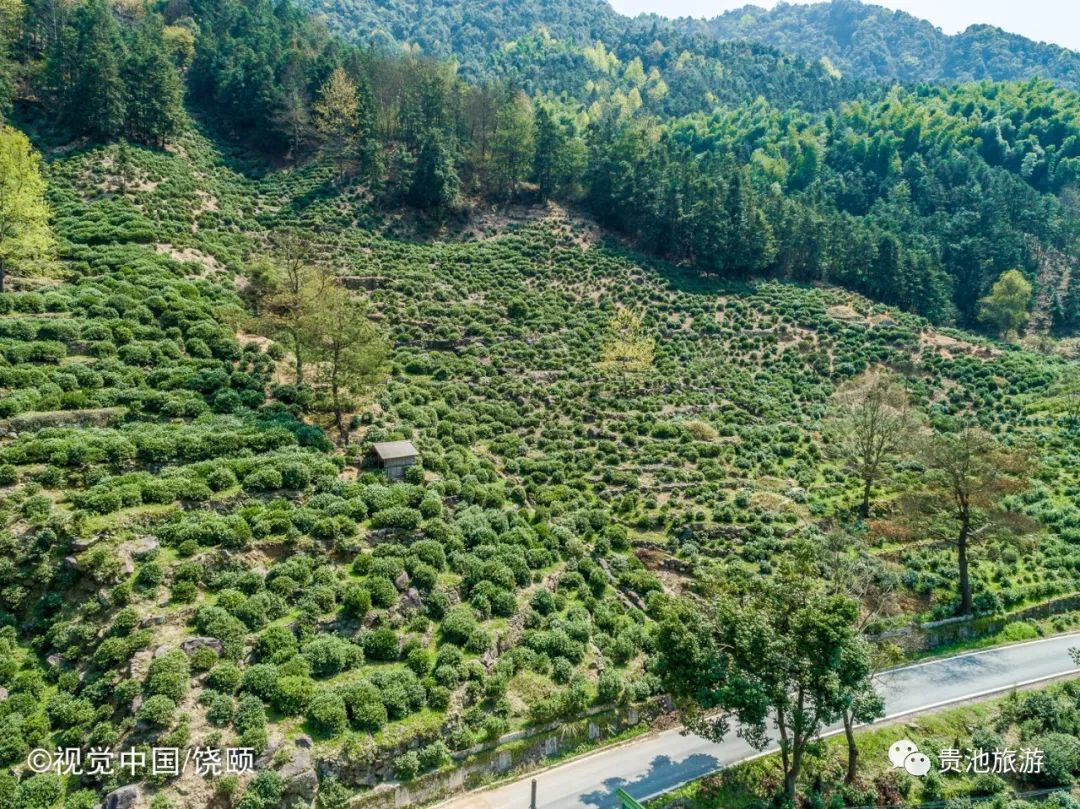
(1044,719)
(689,438)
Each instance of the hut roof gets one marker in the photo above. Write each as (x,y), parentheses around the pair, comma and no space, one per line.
(394,450)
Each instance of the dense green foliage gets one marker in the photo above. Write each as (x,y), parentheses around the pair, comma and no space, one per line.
(92,76)
(918,197)
(1043,720)
(185,554)
(552,491)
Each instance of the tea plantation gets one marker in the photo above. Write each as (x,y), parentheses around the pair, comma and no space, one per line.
(188,558)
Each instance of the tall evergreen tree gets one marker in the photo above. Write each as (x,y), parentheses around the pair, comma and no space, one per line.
(11,20)
(91,60)
(154,92)
(513,147)
(560,156)
(435,182)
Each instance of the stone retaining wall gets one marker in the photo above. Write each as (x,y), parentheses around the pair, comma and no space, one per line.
(929,636)
(521,750)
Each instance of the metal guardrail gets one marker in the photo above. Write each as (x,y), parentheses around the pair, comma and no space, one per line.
(627,800)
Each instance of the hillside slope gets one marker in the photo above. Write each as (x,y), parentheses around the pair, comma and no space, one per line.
(163,483)
(619,324)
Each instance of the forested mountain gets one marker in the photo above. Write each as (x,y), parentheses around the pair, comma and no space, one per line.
(920,197)
(470,31)
(873,42)
(862,40)
(635,296)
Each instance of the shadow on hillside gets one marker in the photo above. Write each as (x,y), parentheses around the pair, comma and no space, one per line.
(683,279)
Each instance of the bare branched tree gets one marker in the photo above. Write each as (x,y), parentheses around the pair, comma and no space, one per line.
(870,424)
(969,473)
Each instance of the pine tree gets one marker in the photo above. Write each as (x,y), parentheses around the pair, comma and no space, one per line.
(513,148)
(337,118)
(349,352)
(154,92)
(11,18)
(94,103)
(435,183)
(549,142)
(560,156)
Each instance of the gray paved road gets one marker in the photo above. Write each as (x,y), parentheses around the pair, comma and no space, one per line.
(657,763)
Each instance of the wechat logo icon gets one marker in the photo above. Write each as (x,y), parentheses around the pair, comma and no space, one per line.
(905,754)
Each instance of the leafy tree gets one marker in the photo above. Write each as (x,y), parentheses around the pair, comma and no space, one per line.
(968,473)
(870,426)
(337,108)
(628,347)
(349,351)
(179,43)
(1069,390)
(435,182)
(1005,309)
(293,119)
(24,214)
(849,570)
(288,294)
(341,117)
(783,649)
(513,145)
(154,94)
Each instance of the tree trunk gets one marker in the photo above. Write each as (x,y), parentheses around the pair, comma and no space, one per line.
(785,759)
(962,562)
(852,749)
(298,359)
(343,434)
(864,508)
(3,274)
(791,778)
(335,395)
